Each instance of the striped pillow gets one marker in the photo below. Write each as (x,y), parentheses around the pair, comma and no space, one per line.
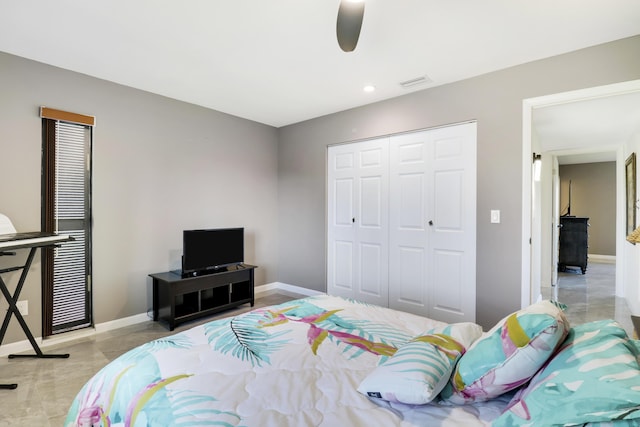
(419,370)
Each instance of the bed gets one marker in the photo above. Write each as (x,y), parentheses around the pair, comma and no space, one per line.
(329,361)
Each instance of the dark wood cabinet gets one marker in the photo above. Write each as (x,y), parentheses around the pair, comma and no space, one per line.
(574,243)
(178,299)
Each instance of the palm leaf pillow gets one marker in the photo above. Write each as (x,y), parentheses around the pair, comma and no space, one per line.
(594,378)
(419,369)
(508,355)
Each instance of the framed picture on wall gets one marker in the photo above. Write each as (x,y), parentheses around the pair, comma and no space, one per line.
(630,178)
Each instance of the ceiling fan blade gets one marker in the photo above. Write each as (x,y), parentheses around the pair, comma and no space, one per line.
(348,24)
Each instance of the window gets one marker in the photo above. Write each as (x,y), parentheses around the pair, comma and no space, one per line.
(66,208)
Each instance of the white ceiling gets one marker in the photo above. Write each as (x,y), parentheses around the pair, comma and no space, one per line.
(277,61)
(590,130)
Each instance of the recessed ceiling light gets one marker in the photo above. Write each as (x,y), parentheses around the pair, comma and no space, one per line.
(369,88)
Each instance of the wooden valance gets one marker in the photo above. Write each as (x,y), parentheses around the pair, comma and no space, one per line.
(65,116)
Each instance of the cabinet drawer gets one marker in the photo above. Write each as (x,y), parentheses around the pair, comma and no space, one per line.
(208,281)
(235,276)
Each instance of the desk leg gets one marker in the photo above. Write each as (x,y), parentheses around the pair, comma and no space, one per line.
(12,299)
(13,309)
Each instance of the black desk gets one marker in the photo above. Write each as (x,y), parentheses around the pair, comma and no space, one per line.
(9,243)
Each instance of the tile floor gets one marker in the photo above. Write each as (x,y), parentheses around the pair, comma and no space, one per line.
(591,296)
(46,387)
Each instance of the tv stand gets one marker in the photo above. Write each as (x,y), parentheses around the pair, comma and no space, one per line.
(178,299)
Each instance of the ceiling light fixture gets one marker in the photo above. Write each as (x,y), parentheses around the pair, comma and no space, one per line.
(369,88)
(349,23)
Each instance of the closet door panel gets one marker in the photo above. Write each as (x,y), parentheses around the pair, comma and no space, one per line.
(372,282)
(408,262)
(447,293)
(343,202)
(452,237)
(341,251)
(372,235)
(342,272)
(357,221)
(412,267)
(372,222)
(371,216)
(448,275)
(447,200)
(411,201)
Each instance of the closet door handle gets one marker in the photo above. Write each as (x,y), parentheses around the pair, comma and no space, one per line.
(353,220)
(430,222)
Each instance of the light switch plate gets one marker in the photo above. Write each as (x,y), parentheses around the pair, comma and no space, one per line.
(495,217)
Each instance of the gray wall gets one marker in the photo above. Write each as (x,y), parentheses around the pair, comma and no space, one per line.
(495,101)
(593,195)
(159,166)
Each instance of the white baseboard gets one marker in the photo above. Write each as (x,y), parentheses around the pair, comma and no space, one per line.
(607,259)
(121,323)
(284,287)
(25,346)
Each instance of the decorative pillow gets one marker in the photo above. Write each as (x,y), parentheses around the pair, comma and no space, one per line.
(508,355)
(419,369)
(594,378)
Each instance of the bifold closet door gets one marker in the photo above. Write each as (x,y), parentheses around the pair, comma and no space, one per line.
(432,235)
(358,211)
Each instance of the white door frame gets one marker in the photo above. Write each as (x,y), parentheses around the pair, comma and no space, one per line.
(527,249)
(555,223)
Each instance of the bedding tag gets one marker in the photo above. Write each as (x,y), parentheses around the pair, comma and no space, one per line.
(374,394)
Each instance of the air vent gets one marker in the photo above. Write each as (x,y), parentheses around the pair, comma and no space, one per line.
(417,81)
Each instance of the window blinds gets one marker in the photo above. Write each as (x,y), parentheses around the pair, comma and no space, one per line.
(70,215)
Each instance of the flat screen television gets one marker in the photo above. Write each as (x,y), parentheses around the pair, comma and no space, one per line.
(208,251)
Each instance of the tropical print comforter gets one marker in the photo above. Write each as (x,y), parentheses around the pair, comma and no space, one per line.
(295,364)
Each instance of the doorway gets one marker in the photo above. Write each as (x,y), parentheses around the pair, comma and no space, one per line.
(584,225)
(537,257)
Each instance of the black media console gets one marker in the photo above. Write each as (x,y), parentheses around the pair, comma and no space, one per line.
(178,299)
(574,243)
